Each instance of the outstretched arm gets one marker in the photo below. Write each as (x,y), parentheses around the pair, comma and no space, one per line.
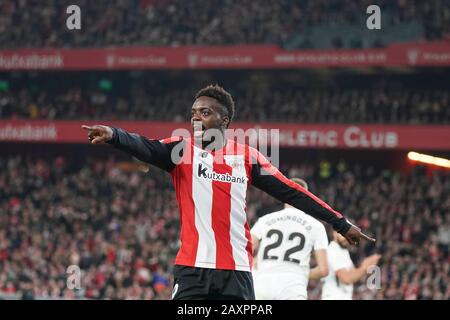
(154,152)
(269,179)
(349,276)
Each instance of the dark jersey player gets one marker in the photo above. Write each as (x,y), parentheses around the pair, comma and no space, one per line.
(211,181)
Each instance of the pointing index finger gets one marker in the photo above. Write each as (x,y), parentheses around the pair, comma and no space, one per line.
(86,127)
(367,237)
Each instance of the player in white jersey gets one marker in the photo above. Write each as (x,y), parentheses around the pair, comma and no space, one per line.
(343,274)
(285,240)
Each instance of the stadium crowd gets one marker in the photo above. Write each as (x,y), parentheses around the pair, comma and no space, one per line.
(34,24)
(120,226)
(384,104)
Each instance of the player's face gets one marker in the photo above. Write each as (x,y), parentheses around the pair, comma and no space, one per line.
(206,111)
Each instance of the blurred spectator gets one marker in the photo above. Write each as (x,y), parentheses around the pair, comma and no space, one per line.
(34,24)
(379,101)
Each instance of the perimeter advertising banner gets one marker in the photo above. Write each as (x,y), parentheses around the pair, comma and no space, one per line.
(400,137)
(229,57)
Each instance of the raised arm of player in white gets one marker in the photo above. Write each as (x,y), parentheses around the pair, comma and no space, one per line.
(350,276)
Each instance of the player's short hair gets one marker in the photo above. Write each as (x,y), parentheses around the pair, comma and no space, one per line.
(300,182)
(221,95)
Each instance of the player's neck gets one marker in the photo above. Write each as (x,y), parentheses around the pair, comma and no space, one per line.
(217,142)
(213,147)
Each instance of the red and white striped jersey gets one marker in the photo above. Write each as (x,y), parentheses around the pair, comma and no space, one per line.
(211,189)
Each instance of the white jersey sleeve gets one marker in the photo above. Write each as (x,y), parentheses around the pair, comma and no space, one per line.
(320,237)
(258,229)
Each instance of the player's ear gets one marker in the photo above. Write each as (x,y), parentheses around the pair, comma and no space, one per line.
(225,121)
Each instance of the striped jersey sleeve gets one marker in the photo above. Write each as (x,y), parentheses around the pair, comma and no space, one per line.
(155,152)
